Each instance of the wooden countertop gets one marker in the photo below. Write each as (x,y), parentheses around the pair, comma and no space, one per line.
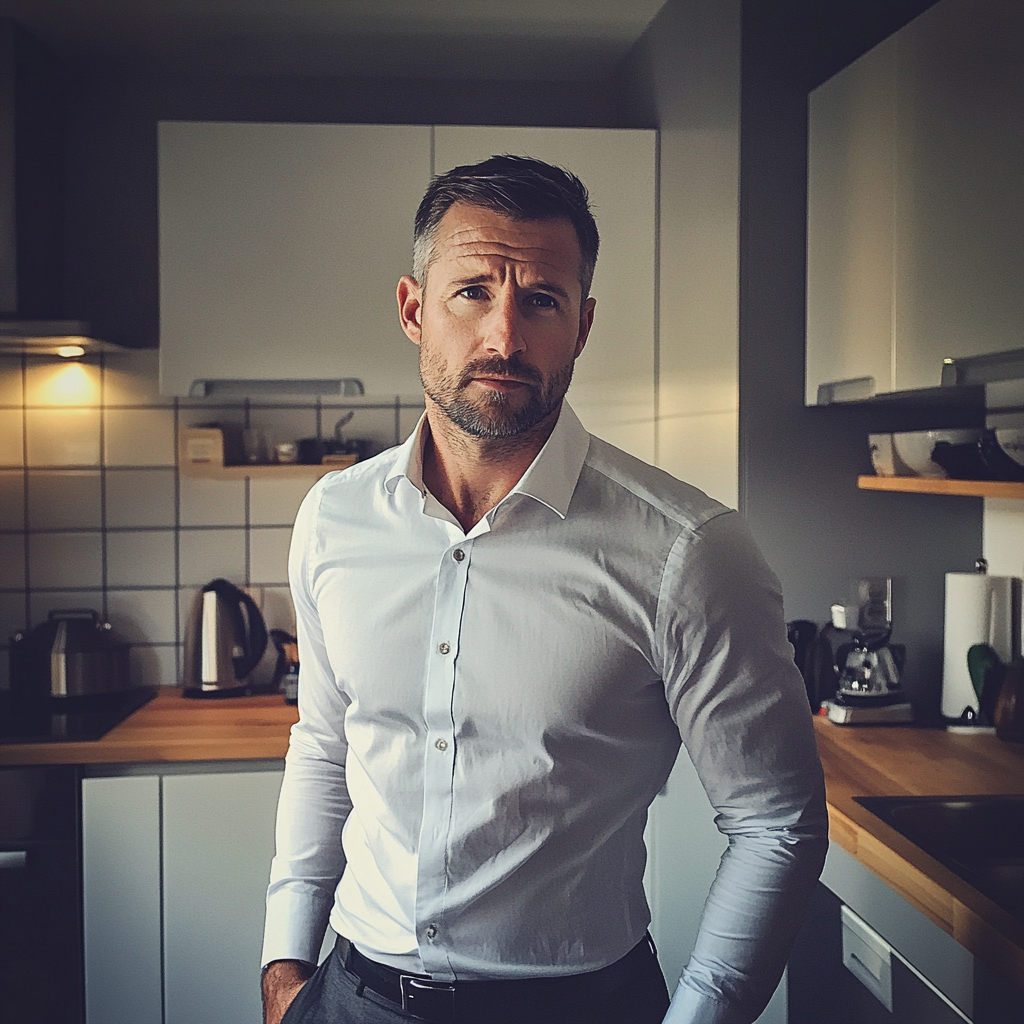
(175,728)
(904,761)
(858,761)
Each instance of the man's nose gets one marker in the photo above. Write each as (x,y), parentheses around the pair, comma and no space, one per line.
(505,326)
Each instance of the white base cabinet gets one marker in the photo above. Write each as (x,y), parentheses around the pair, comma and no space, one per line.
(121,900)
(175,871)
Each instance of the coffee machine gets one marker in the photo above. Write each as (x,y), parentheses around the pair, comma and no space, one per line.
(866,664)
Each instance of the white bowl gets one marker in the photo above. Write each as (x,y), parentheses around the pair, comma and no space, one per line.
(1011,440)
(882,456)
(912,454)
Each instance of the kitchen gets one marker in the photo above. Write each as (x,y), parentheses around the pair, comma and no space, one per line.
(730,414)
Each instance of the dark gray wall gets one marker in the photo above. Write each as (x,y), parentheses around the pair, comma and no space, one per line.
(111,275)
(798,466)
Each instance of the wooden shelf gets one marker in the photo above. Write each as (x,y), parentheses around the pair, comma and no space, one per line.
(928,485)
(275,471)
(201,454)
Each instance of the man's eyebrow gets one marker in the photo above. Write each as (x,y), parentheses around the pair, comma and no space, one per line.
(474,279)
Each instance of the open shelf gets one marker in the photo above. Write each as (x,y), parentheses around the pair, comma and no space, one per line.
(927,485)
(201,454)
(275,471)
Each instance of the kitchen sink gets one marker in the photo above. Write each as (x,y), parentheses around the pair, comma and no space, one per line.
(979,838)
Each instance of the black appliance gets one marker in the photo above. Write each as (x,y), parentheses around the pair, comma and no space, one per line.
(41,972)
(74,653)
(55,719)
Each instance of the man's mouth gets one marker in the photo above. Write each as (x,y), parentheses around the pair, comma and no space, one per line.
(502,377)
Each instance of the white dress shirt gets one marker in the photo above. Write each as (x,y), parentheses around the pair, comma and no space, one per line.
(485,718)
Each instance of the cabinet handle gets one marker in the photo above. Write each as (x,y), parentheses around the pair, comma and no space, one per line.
(13,859)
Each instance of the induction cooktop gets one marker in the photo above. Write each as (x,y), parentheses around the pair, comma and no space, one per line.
(68,718)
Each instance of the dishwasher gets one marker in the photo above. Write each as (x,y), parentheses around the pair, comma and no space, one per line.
(41,976)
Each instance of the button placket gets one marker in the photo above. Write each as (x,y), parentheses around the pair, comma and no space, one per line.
(438,778)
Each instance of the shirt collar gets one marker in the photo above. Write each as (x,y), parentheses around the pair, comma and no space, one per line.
(550,479)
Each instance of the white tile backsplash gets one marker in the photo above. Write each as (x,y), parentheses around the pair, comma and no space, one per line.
(140,497)
(139,437)
(278,610)
(212,502)
(153,666)
(143,616)
(268,554)
(12,436)
(66,560)
(67,500)
(12,561)
(275,502)
(12,500)
(112,525)
(10,381)
(140,558)
(205,555)
(63,437)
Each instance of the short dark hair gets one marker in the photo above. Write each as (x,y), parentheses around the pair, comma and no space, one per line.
(516,186)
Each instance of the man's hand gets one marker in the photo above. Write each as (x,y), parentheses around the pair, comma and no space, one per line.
(282,980)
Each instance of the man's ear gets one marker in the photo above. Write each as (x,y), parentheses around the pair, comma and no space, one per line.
(410,308)
(586,322)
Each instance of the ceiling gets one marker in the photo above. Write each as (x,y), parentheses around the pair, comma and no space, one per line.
(542,40)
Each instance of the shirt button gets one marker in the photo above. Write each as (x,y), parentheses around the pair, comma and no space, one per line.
(441,744)
(458,554)
(444,647)
(431,932)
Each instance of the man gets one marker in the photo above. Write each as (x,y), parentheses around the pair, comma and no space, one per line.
(506,626)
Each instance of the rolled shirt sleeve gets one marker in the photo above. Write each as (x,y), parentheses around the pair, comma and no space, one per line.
(742,712)
(314,802)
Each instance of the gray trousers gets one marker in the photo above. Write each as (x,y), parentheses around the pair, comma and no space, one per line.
(334,996)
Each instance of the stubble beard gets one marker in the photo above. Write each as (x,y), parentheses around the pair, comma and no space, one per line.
(495,415)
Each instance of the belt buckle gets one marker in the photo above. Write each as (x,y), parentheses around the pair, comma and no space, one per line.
(430,1000)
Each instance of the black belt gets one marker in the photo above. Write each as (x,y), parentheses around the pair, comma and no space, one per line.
(438,1001)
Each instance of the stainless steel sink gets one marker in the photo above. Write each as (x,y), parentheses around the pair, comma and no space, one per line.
(979,838)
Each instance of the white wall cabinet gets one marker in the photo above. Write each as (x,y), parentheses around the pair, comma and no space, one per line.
(175,878)
(915,211)
(280,249)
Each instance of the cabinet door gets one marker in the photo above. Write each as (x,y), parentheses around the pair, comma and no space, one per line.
(915,212)
(280,249)
(218,841)
(613,384)
(121,900)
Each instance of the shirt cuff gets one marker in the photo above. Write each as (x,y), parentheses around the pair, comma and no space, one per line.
(291,932)
(691,1007)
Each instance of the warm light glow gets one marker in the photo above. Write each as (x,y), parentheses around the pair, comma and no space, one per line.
(70,351)
(73,384)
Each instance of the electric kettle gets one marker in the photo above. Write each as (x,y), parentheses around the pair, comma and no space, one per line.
(225,638)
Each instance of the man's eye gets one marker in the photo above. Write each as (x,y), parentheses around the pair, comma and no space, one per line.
(474,292)
(543,301)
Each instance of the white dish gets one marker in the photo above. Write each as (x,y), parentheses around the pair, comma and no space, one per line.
(882,455)
(912,454)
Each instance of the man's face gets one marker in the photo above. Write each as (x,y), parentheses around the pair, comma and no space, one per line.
(500,321)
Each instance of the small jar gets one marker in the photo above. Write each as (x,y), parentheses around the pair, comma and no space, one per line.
(286,451)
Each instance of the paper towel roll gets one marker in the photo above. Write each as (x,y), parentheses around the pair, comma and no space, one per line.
(980,609)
